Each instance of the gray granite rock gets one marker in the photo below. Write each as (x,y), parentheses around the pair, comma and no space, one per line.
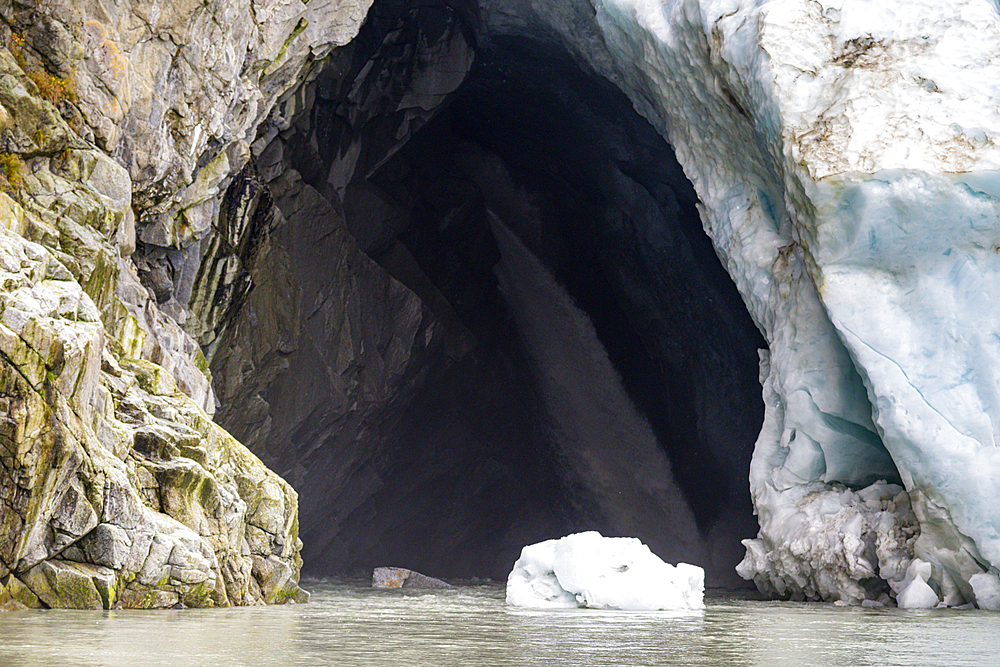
(398,577)
(116,488)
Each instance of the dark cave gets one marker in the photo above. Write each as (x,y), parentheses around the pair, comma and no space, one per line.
(576,342)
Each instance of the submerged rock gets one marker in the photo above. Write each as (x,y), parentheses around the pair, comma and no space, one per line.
(399,577)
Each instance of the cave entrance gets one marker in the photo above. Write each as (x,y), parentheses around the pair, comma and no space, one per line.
(567,354)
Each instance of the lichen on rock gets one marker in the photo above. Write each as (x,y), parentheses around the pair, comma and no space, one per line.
(116,487)
(111,475)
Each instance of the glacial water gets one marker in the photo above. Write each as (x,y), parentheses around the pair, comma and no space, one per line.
(349,624)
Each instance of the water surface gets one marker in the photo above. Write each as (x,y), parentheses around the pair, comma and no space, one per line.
(349,624)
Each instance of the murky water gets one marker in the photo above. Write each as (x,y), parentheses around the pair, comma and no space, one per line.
(352,625)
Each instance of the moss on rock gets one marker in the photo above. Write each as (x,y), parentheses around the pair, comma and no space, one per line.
(68,585)
(13,589)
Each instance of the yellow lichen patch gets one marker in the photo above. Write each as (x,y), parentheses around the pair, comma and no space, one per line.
(51,87)
(13,172)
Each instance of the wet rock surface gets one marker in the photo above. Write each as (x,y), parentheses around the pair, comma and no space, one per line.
(399,577)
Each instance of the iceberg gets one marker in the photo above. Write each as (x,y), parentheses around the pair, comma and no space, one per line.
(589,570)
(847,157)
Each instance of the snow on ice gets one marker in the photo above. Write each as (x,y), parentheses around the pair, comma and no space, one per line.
(589,570)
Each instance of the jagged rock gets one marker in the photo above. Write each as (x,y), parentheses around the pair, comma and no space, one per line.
(277,581)
(37,126)
(65,584)
(68,488)
(398,577)
(14,595)
(178,93)
(116,488)
(108,545)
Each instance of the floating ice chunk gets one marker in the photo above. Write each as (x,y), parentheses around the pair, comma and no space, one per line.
(917,594)
(987,589)
(588,570)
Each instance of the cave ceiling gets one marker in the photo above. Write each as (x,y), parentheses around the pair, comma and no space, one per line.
(462,300)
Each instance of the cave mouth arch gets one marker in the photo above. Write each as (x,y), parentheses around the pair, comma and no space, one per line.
(568,352)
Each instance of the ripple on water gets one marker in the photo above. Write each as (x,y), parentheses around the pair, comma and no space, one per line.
(350,624)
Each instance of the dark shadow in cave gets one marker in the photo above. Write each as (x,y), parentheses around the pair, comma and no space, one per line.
(465,453)
(618,225)
(597,194)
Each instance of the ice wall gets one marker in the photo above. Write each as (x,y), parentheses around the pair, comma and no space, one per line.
(844,153)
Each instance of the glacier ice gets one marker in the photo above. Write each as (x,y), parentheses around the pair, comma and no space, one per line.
(915,593)
(826,542)
(987,590)
(589,570)
(846,154)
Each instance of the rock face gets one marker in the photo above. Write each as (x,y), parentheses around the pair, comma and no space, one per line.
(117,489)
(359,256)
(399,577)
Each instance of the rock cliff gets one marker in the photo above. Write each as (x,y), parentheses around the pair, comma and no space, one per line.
(285,217)
(118,489)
